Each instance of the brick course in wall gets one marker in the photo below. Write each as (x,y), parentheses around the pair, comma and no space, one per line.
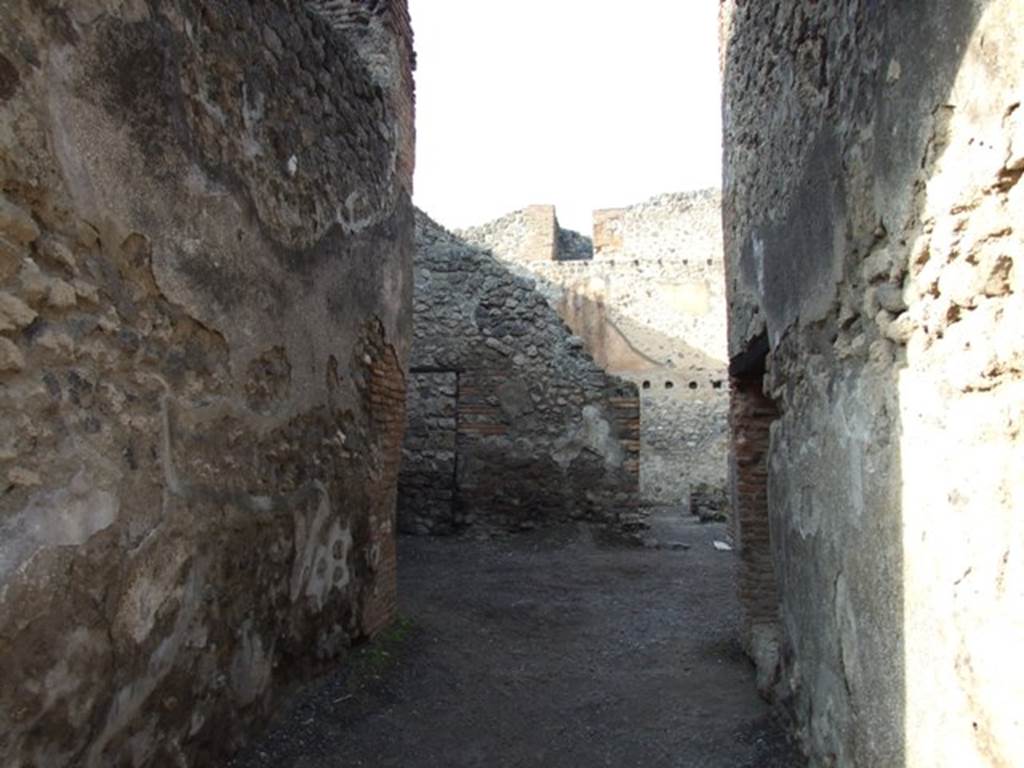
(387,399)
(750,418)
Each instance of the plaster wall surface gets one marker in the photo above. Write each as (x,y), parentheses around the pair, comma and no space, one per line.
(205,311)
(872,207)
(646,296)
(541,434)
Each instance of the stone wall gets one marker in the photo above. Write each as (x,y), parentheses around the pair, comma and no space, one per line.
(511,424)
(205,294)
(873,209)
(683,436)
(427,483)
(647,298)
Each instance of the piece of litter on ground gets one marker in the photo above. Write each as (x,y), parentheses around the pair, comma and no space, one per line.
(678,545)
(721,546)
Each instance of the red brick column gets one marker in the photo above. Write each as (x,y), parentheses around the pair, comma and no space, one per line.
(387,386)
(750,418)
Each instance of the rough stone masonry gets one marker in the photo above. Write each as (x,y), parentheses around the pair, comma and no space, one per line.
(647,296)
(512,425)
(873,219)
(205,293)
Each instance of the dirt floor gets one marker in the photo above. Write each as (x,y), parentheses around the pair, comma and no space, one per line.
(544,650)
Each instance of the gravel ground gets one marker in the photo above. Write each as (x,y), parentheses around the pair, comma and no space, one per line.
(544,650)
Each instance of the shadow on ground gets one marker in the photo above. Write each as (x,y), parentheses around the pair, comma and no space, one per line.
(544,650)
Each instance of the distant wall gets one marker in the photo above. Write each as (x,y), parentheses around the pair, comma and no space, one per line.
(647,297)
(684,435)
(205,312)
(511,424)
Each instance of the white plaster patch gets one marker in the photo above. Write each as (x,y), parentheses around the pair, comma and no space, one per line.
(129,700)
(65,682)
(253,108)
(155,585)
(57,518)
(322,550)
(846,622)
(330,567)
(757,245)
(251,666)
(855,433)
(593,433)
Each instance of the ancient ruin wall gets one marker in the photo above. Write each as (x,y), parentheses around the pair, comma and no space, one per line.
(205,295)
(511,424)
(647,298)
(873,209)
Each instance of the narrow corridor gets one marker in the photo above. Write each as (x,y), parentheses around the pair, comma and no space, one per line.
(545,650)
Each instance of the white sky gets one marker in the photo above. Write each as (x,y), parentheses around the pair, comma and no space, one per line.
(582,103)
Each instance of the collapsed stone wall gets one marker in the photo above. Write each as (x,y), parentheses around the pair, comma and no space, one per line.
(647,296)
(205,295)
(872,209)
(511,424)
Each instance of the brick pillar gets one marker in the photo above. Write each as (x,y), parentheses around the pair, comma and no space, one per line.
(387,393)
(750,417)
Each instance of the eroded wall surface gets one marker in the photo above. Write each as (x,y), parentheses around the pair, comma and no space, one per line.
(205,308)
(872,209)
(508,414)
(648,300)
